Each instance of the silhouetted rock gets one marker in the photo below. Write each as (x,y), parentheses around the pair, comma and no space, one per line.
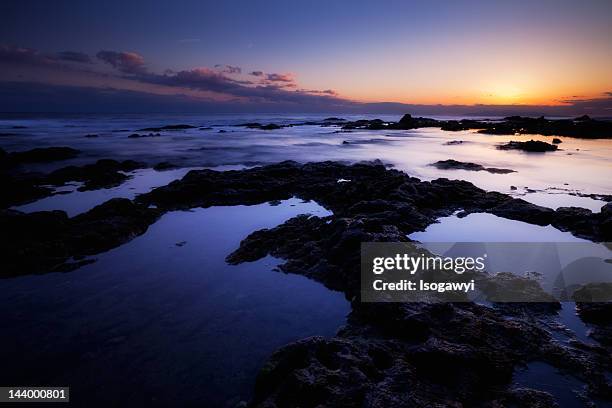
(139,136)
(164,166)
(256,125)
(168,127)
(451,164)
(104,173)
(556,140)
(21,189)
(41,154)
(42,242)
(583,127)
(529,146)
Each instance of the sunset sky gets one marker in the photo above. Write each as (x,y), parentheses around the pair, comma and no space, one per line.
(315,55)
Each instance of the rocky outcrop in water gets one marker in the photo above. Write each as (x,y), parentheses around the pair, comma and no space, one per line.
(529,146)
(388,354)
(49,241)
(583,127)
(451,164)
(168,127)
(37,155)
(21,188)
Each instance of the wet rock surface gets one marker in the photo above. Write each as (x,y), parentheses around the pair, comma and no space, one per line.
(451,164)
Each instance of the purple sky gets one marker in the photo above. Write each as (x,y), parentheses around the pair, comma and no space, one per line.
(456,57)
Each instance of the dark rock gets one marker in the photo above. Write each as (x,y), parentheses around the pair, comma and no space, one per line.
(388,354)
(104,173)
(529,146)
(270,126)
(20,190)
(45,241)
(46,154)
(556,140)
(451,164)
(256,125)
(164,166)
(138,135)
(521,210)
(168,127)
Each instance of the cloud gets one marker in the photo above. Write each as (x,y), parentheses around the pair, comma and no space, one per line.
(40,97)
(205,79)
(126,62)
(270,88)
(280,77)
(31,57)
(23,56)
(324,92)
(74,56)
(229,69)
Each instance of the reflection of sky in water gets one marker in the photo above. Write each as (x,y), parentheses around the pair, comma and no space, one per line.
(164,316)
(559,259)
(75,202)
(586,170)
(544,377)
(514,246)
(481,227)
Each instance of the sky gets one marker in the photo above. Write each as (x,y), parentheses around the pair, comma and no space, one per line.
(549,57)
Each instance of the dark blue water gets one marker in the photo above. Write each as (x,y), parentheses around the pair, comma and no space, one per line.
(163,318)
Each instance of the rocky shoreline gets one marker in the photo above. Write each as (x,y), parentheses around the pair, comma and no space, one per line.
(582,127)
(387,354)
